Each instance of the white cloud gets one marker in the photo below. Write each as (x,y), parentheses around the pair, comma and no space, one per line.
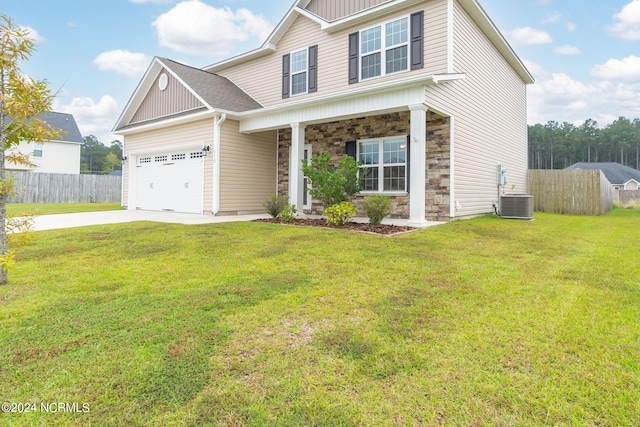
(33,34)
(529,36)
(129,64)
(92,118)
(626,70)
(72,24)
(560,97)
(627,22)
(196,28)
(551,18)
(571,26)
(567,50)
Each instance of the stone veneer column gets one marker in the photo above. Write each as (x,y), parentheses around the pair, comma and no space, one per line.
(418,181)
(295,166)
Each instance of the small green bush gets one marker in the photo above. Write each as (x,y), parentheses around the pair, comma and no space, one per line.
(288,213)
(376,208)
(332,184)
(274,204)
(340,213)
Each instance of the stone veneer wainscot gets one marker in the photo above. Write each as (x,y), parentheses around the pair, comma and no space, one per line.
(331,138)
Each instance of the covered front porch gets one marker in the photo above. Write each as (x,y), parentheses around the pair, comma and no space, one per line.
(424,161)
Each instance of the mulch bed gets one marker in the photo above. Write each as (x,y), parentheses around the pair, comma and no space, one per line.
(353,226)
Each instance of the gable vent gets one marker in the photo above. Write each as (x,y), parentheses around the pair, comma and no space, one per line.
(516,206)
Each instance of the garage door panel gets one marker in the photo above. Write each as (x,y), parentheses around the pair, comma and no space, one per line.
(170,182)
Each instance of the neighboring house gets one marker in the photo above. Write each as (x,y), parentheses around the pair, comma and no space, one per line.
(57,156)
(621,177)
(427,94)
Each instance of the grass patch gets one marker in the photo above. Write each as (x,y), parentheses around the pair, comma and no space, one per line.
(480,322)
(17,209)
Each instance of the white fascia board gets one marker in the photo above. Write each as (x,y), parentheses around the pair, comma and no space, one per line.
(263,50)
(268,47)
(143,89)
(487,26)
(138,95)
(65,142)
(144,127)
(298,9)
(316,109)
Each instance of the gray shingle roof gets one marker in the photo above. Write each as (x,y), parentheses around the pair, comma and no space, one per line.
(217,91)
(615,172)
(67,123)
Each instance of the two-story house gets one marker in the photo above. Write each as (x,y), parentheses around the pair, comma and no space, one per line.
(426,94)
(60,155)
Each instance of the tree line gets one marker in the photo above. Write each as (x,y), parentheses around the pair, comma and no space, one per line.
(556,146)
(97,158)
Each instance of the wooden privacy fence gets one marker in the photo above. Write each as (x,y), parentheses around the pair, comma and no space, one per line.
(35,187)
(579,191)
(624,197)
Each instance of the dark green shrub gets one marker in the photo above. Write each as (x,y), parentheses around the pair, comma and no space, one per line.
(329,184)
(376,208)
(340,213)
(274,204)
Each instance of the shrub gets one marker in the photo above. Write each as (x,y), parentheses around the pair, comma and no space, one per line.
(274,204)
(376,208)
(329,184)
(340,213)
(288,213)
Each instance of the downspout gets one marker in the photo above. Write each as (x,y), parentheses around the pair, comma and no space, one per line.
(218,120)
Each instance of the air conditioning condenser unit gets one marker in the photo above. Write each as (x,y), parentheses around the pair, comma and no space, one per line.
(516,206)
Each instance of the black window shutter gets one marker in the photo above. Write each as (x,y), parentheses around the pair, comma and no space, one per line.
(286,71)
(353,57)
(417,40)
(313,68)
(408,165)
(351,150)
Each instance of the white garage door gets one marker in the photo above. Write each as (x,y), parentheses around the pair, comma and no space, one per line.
(170,181)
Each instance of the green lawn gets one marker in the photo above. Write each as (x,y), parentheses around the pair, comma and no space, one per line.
(17,209)
(479,322)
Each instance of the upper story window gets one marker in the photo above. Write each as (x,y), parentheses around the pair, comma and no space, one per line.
(300,72)
(37,150)
(388,48)
(384,49)
(299,65)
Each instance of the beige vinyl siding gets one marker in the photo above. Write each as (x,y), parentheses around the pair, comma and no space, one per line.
(160,103)
(247,168)
(631,185)
(197,133)
(333,67)
(490,125)
(336,9)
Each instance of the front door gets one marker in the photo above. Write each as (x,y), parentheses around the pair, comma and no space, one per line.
(306,197)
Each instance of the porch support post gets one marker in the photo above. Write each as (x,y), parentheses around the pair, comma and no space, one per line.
(295,166)
(418,161)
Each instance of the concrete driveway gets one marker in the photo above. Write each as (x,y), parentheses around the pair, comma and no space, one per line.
(52,222)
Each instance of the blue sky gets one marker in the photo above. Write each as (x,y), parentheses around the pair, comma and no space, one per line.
(585,55)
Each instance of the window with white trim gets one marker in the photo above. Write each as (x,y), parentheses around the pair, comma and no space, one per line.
(299,70)
(384,49)
(37,150)
(383,164)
